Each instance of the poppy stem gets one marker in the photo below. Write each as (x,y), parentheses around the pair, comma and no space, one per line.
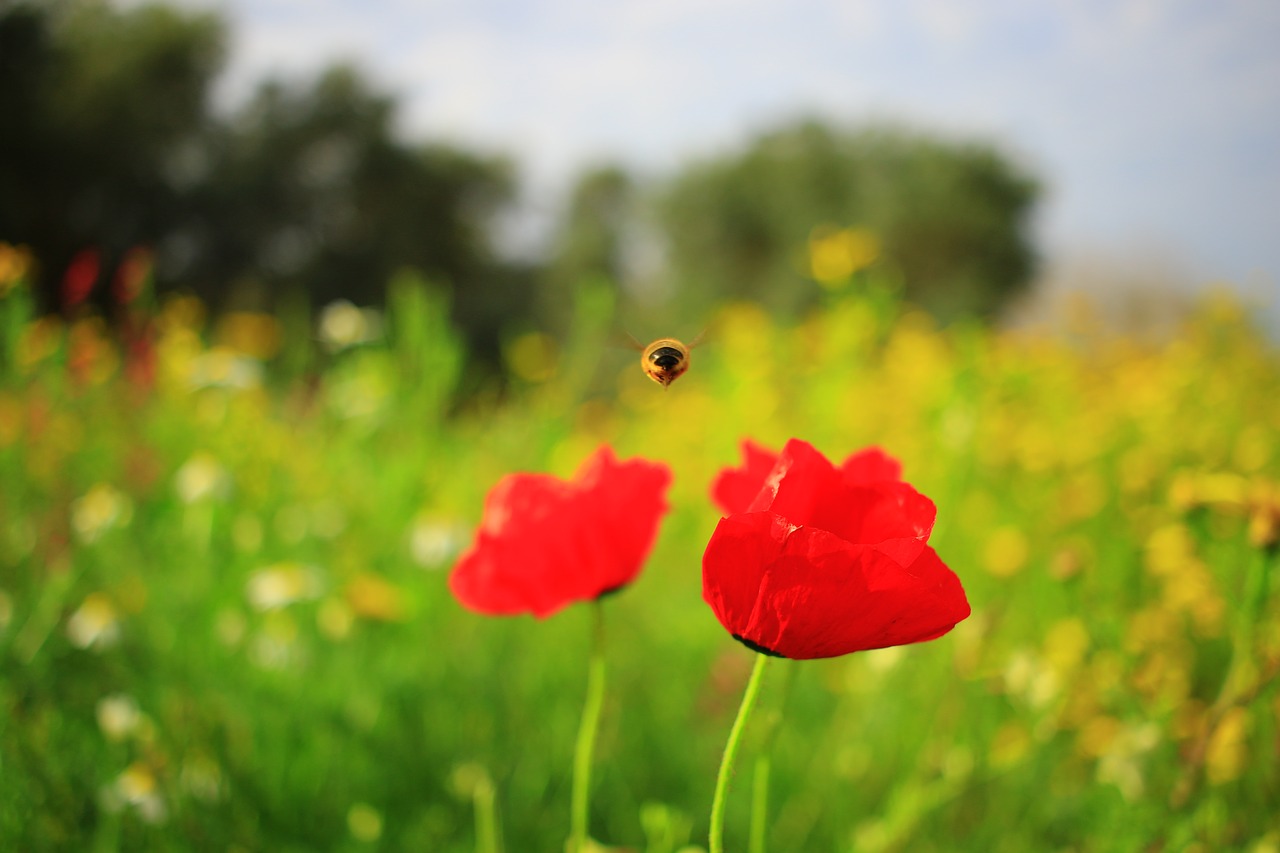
(731,752)
(759,805)
(581,793)
(760,777)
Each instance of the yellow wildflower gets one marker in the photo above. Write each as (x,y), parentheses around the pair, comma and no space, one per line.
(15,264)
(1227,754)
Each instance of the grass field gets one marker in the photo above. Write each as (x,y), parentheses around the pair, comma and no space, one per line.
(225,622)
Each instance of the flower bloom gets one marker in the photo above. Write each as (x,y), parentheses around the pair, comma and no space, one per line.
(94,624)
(545,543)
(816,561)
(98,510)
(80,277)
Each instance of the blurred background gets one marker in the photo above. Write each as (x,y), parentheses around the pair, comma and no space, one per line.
(286,287)
(992,158)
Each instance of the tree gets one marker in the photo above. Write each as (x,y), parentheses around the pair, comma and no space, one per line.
(308,189)
(108,143)
(97,105)
(951,217)
(590,242)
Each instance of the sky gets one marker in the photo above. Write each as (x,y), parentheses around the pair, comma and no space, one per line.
(1154,126)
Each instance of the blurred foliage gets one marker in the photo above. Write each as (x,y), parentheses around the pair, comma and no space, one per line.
(224,619)
(305,193)
(952,219)
(590,245)
(97,104)
(308,190)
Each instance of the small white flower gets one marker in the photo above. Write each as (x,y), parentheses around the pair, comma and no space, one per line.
(434,541)
(343,325)
(222,367)
(282,584)
(94,624)
(200,477)
(136,787)
(118,716)
(1029,678)
(1121,765)
(100,509)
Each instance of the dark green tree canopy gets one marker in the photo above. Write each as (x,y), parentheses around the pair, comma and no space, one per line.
(97,104)
(109,143)
(952,218)
(308,187)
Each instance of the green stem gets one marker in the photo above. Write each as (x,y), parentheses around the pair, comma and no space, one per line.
(759,805)
(763,767)
(731,752)
(581,795)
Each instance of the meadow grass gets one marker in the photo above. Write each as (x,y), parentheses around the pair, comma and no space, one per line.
(225,621)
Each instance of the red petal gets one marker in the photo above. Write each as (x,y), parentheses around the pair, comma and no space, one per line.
(734,489)
(623,501)
(929,607)
(805,488)
(804,593)
(890,515)
(871,465)
(802,480)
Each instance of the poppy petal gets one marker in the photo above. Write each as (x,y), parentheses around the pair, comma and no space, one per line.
(807,489)
(803,592)
(545,543)
(734,489)
(871,465)
(802,481)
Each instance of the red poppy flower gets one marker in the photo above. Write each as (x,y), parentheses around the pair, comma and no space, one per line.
(80,277)
(824,561)
(545,543)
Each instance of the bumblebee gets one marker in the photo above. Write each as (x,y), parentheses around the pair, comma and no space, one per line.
(665,360)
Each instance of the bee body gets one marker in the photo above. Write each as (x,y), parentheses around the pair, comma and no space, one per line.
(665,360)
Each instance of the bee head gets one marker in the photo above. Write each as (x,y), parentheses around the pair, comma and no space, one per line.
(666,357)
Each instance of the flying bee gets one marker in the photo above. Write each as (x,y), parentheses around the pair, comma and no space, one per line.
(666,359)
